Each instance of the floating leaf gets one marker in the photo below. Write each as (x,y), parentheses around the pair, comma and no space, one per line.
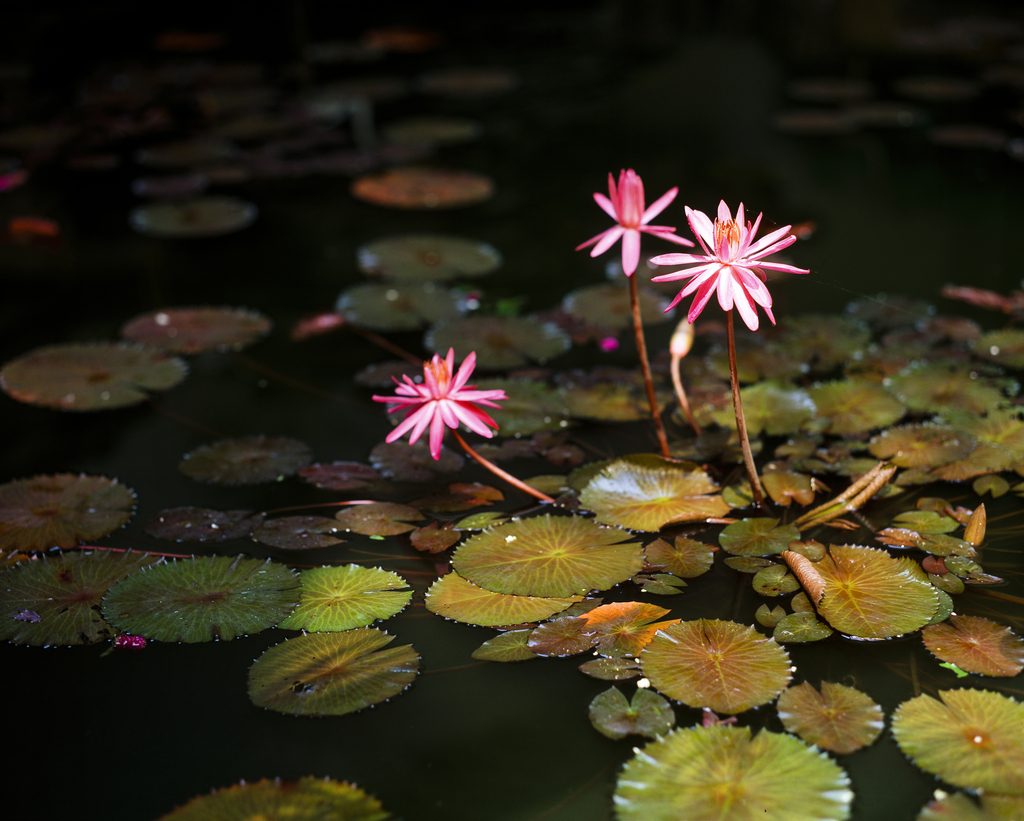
(1005,347)
(201,524)
(331,673)
(548,556)
(413,463)
(608,305)
(399,307)
(685,558)
(609,401)
(824,340)
(646,492)
(757,537)
(922,446)
(977,645)
(855,406)
(996,485)
(769,617)
(660,584)
(432,130)
(453,597)
(379,519)
(431,539)
(510,646)
(340,475)
(246,460)
(63,594)
(956,807)
(614,716)
(499,341)
(460,496)
(93,376)
(786,486)
(971,739)
(481,521)
(721,665)
(427,257)
(926,521)
(800,627)
(61,510)
(345,597)
(202,599)
(775,581)
(839,719)
(777,408)
(193,330)
(308,799)
(939,387)
(201,217)
(423,188)
(299,533)
(531,407)
(608,669)
(623,629)
(712,773)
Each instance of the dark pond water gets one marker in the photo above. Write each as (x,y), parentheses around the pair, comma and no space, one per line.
(688,94)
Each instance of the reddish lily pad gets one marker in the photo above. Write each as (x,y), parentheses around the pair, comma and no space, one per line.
(211,216)
(721,665)
(456,598)
(340,475)
(648,714)
(403,306)
(787,486)
(855,406)
(193,330)
(623,629)
(976,645)
(413,463)
(561,637)
(685,558)
(346,597)
(61,510)
(722,772)
(201,524)
(55,600)
(379,519)
(299,533)
(92,376)
(202,599)
(757,537)
(608,669)
(971,739)
(548,556)
(427,257)
(500,341)
(246,460)
(320,674)
(646,492)
(417,188)
(839,719)
(432,539)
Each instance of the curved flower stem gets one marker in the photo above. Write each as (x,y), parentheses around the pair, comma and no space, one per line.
(741,425)
(645,367)
(497,471)
(684,403)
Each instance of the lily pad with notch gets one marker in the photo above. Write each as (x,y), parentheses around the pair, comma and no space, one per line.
(246,460)
(194,330)
(648,714)
(774,407)
(685,558)
(623,629)
(345,597)
(855,406)
(757,537)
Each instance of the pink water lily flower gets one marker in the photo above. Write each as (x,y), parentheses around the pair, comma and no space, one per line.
(626,207)
(442,400)
(732,264)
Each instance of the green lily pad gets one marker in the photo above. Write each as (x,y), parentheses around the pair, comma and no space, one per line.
(92,376)
(757,537)
(403,462)
(769,617)
(499,341)
(788,486)
(608,305)
(458,599)
(926,521)
(870,595)
(61,510)
(299,533)
(648,714)
(854,406)
(608,401)
(1005,347)
(561,637)
(308,799)
(427,258)
(320,674)
(62,593)
(976,645)
(346,596)
(201,524)
(721,665)
(996,485)
(775,581)
(823,340)
(399,307)
(202,599)
(608,669)
(956,807)
(714,773)
(685,558)
(506,647)
(548,556)
(939,387)
(776,408)
(922,446)
(193,330)
(800,627)
(246,460)
(839,719)
(756,360)
(379,518)
(646,492)
(971,739)
(531,407)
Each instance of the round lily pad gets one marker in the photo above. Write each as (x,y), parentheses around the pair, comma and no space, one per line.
(939,387)
(800,627)
(379,519)
(345,597)
(431,539)
(855,406)
(201,217)
(403,462)
(433,130)
(202,599)
(506,647)
(201,524)
(500,341)
(423,188)
(548,556)
(971,739)
(722,665)
(623,629)
(757,537)
(427,257)
(457,599)
(608,401)
(976,645)
(531,406)
(61,510)
(340,475)
(646,492)
(922,446)
(560,637)
(55,600)
(193,330)
(775,407)
(648,714)
(320,674)
(685,558)
(713,773)
(823,340)
(93,376)
(308,799)
(840,719)
(246,460)
(399,307)
(788,486)
(608,305)
(1005,347)
(299,533)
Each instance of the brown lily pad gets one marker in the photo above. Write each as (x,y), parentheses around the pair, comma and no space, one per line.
(423,188)
(193,330)
(976,645)
(246,460)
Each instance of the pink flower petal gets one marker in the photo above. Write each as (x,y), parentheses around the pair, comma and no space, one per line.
(606,204)
(608,240)
(630,251)
(659,205)
(702,228)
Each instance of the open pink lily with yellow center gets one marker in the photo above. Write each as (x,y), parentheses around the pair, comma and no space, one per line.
(732,264)
(442,400)
(625,205)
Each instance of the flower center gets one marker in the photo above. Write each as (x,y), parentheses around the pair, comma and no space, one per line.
(439,368)
(730,232)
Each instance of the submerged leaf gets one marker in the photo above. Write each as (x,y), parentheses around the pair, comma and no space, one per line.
(648,714)
(839,719)
(246,460)
(976,645)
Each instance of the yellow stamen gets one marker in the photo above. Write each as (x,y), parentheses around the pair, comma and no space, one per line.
(728,229)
